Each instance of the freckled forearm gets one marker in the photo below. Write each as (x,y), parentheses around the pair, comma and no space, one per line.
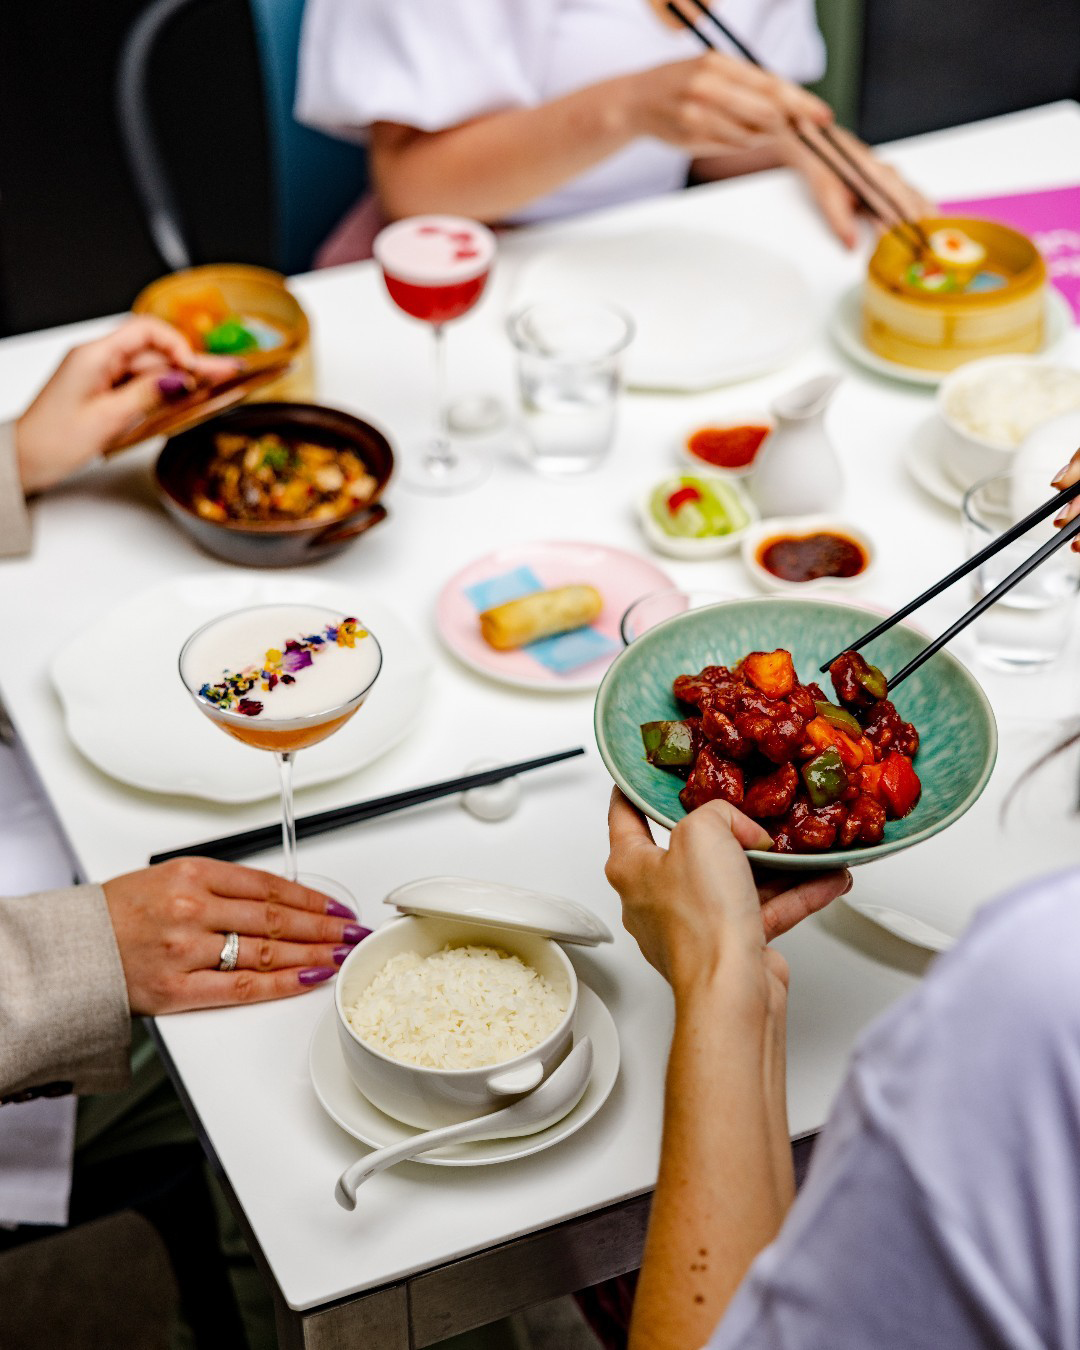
(725,1180)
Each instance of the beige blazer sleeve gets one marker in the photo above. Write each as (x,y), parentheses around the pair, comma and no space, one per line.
(14,517)
(64,1019)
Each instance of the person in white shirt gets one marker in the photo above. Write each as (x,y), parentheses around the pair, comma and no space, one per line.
(516,111)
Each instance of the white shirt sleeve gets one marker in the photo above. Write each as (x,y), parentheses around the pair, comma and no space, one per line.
(428,64)
(942,1208)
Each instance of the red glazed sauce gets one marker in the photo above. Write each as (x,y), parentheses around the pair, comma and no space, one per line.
(727,447)
(810,556)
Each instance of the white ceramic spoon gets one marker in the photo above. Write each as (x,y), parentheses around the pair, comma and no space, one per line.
(554,1098)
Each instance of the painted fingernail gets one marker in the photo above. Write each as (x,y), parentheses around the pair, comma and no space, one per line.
(339,911)
(340,953)
(317,974)
(172,386)
(354,933)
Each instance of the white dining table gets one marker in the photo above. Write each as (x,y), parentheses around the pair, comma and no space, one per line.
(433,1250)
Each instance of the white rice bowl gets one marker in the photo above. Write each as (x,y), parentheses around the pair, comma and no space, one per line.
(433,1036)
(462,1007)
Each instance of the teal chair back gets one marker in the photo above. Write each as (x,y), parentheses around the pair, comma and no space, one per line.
(313,177)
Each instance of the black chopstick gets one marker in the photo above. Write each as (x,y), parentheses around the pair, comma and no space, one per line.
(232,847)
(900,222)
(1068,532)
(1048,508)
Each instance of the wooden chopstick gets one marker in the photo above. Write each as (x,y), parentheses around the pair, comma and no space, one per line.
(899,222)
(1048,508)
(232,847)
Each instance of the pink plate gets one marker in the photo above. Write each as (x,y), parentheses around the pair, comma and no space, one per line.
(620,577)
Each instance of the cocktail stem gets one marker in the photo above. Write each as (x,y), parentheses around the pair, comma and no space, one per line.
(440,455)
(288,820)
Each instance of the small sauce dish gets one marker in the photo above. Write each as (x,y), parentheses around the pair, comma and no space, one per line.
(682,515)
(807,554)
(727,445)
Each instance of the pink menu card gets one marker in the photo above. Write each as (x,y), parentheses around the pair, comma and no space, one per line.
(1051,218)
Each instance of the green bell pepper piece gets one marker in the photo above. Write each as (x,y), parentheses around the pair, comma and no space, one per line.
(839,717)
(668,745)
(825,777)
(874,682)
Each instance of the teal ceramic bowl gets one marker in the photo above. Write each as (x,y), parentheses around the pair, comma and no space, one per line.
(942,698)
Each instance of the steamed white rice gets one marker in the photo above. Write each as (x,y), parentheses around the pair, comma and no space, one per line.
(1004,404)
(460,1008)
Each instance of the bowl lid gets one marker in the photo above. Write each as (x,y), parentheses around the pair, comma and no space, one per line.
(490,904)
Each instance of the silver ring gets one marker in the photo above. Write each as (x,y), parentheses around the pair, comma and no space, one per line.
(230,952)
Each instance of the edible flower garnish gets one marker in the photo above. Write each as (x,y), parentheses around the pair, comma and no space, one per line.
(230,693)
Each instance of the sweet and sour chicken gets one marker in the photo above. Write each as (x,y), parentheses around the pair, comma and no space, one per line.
(816,774)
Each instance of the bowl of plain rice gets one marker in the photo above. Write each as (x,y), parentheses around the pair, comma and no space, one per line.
(990,406)
(444,1019)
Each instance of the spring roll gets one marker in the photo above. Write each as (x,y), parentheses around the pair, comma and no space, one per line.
(539,615)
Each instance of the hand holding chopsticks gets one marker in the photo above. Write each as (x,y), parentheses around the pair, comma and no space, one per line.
(844,158)
(1069,532)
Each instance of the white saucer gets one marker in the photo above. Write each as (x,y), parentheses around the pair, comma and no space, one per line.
(145,730)
(346,1105)
(923,461)
(845,329)
(906,926)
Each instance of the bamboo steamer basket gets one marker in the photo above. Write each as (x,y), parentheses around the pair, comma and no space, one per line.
(253,291)
(944,330)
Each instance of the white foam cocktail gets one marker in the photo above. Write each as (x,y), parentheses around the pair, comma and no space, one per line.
(279,678)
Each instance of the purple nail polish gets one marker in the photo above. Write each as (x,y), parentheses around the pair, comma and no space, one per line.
(339,911)
(354,933)
(340,953)
(172,386)
(317,974)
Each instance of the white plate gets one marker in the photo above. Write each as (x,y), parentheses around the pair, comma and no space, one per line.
(708,309)
(347,1106)
(126,709)
(845,328)
(924,462)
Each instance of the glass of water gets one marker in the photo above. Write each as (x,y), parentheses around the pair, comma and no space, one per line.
(1030,626)
(569,361)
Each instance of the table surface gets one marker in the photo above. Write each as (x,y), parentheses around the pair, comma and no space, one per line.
(102,538)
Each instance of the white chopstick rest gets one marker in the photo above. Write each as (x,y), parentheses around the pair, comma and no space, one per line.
(496,801)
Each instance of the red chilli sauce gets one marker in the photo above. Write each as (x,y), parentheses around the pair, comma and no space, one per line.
(810,556)
(727,447)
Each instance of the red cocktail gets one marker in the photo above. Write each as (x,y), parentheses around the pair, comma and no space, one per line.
(435,269)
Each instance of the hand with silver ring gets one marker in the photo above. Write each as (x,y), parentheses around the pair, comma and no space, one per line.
(196,933)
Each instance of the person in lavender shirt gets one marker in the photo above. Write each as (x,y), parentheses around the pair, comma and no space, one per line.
(942,1206)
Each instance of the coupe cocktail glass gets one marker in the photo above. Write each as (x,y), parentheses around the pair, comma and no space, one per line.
(279,678)
(435,269)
